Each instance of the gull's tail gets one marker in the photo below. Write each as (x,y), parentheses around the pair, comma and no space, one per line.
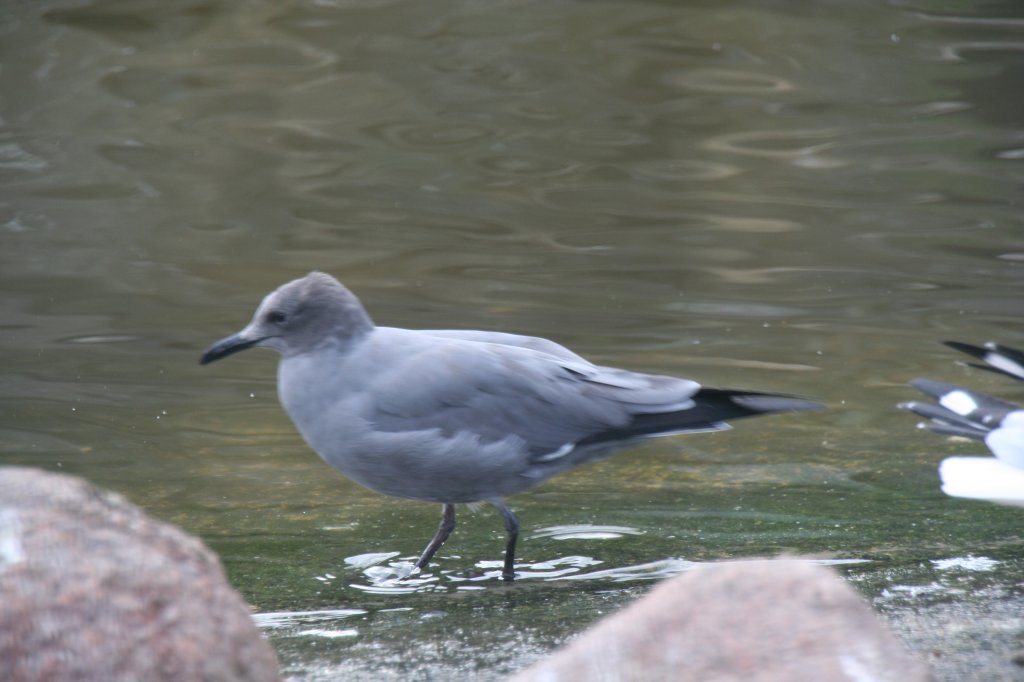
(711,410)
(998,359)
(959,412)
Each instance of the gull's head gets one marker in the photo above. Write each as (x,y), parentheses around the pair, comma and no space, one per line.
(298,317)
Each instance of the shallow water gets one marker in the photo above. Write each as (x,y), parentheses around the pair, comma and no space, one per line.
(802,197)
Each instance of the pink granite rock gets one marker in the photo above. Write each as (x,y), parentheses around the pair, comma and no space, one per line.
(755,621)
(94,589)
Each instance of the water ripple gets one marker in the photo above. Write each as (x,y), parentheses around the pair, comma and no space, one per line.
(956,52)
(728,81)
(14,157)
(654,570)
(684,170)
(585,531)
(780,144)
(607,137)
(289,619)
(435,135)
(522,165)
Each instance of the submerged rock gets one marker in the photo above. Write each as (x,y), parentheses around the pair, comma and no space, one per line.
(756,621)
(94,589)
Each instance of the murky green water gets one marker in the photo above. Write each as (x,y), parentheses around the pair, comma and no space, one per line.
(791,196)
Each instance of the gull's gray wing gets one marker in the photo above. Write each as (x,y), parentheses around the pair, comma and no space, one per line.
(505,339)
(494,390)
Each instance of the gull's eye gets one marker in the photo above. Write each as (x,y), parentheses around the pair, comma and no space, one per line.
(276,317)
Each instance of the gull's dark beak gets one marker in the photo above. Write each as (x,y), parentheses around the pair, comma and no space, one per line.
(226,347)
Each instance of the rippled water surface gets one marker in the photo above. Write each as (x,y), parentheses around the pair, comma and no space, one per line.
(793,196)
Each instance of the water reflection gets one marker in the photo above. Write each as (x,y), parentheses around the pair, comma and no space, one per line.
(401,577)
(395,579)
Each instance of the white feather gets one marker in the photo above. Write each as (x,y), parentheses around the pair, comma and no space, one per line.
(959,401)
(983,478)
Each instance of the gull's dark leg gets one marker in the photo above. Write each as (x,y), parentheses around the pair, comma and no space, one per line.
(443,531)
(508,573)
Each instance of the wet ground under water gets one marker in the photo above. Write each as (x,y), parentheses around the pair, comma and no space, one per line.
(788,196)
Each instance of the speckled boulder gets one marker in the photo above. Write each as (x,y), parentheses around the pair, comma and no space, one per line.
(94,589)
(755,621)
